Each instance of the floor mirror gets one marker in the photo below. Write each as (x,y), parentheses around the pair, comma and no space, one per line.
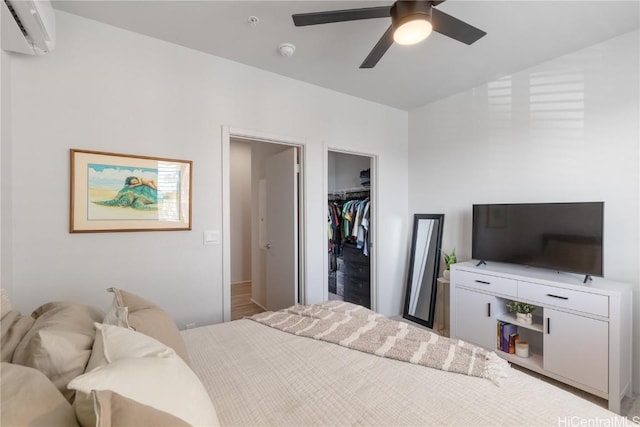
(420,301)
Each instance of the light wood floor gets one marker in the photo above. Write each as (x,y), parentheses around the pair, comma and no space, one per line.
(241,304)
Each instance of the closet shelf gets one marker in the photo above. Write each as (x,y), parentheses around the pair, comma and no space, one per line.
(343,192)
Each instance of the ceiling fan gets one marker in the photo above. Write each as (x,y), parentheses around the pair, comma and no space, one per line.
(411,22)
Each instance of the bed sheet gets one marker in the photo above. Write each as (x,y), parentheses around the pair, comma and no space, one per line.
(259,376)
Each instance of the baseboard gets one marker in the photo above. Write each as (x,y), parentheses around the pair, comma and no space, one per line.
(258,304)
(244,282)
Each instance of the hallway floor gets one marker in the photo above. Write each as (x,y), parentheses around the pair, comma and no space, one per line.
(241,304)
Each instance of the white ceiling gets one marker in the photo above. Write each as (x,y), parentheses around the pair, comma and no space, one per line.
(520,34)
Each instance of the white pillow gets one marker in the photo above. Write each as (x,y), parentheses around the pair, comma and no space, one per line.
(142,369)
(144,316)
(114,343)
(117,315)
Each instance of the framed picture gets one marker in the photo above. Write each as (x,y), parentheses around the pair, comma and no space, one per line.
(122,192)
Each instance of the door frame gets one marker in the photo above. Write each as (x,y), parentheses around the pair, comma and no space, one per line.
(373,253)
(255,136)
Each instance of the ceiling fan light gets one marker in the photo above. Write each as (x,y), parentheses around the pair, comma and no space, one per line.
(412,31)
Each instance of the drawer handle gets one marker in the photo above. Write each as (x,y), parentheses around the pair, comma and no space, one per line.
(483,282)
(557,296)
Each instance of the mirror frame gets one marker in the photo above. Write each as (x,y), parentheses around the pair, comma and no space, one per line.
(434,285)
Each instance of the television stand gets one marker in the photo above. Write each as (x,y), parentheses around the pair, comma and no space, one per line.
(587,278)
(481,262)
(589,345)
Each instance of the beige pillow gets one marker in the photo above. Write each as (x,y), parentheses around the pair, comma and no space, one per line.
(59,343)
(28,398)
(14,327)
(114,410)
(146,317)
(164,383)
(5,303)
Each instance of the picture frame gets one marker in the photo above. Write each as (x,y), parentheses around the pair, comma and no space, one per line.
(113,192)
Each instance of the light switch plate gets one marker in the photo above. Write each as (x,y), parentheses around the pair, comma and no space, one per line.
(211,237)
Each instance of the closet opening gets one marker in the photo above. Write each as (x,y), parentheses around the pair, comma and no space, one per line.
(350,209)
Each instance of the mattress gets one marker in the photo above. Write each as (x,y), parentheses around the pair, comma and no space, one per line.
(260,376)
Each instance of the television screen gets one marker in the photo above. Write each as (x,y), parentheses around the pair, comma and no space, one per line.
(560,236)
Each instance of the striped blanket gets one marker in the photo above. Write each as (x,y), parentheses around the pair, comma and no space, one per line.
(361,329)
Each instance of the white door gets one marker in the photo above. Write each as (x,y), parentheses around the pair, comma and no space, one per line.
(587,339)
(475,318)
(282,229)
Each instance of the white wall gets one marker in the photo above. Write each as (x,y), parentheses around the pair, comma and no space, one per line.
(240,201)
(6,232)
(2,134)
(565,130)
(344,169)
(108,89)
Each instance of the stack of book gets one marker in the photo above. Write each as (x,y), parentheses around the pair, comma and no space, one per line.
(507,336)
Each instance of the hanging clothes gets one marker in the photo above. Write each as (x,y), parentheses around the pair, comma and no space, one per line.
(347,221)
(362,241)
(334,234)
(355,222)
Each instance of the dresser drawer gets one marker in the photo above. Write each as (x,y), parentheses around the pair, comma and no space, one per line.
(486,282)
(357,270)
(566,298)
(354,285)
(350,253)
(362,300)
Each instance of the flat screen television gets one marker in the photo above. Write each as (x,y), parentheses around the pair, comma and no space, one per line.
(559,236)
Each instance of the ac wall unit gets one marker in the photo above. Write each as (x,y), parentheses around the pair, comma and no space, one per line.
(28,26)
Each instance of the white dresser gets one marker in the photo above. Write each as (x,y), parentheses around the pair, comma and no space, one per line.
(581,333)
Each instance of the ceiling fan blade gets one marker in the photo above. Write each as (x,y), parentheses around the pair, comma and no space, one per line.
(454,28)
(379,49)
(314,18)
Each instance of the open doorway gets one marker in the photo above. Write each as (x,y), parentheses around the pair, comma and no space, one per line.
(350,215)
(264,195)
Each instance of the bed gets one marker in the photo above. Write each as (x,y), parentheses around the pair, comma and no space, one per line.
(257,375)
(246,373)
